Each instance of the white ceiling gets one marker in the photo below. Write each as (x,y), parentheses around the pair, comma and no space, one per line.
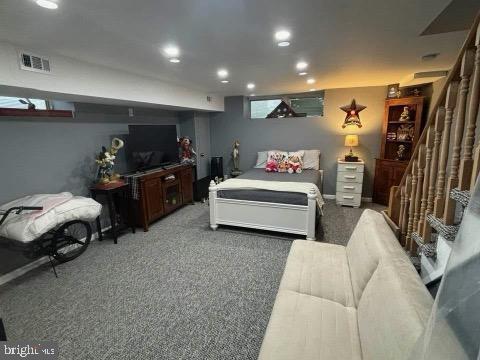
(346,42)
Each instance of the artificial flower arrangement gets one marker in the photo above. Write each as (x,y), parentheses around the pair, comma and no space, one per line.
(106,161)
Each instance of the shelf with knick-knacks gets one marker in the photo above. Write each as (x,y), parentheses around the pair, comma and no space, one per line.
(401,128)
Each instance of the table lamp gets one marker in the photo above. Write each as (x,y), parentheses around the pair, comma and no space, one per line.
(351,141)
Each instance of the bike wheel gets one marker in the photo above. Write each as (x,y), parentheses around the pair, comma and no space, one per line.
(71,240)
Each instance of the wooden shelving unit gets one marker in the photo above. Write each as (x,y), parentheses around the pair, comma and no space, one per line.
(389,166)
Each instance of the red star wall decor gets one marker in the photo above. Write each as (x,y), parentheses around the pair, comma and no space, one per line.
(352,111)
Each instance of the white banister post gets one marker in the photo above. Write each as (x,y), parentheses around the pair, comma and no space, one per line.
(311,214)
(212,196)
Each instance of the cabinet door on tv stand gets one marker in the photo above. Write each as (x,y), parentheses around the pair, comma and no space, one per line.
(187,185)
(154,198)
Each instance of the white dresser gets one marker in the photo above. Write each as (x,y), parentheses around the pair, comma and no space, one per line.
(349,182)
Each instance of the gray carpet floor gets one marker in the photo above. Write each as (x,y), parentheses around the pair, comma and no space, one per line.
(179,291)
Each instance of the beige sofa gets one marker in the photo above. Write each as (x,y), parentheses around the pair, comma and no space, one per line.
(362,301)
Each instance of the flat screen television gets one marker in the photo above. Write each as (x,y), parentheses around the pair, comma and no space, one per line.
(151,146)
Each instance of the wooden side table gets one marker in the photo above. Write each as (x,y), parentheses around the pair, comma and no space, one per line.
(118,197)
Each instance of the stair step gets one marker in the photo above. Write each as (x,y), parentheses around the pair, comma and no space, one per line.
(460,196)
(427,249)
(448,232)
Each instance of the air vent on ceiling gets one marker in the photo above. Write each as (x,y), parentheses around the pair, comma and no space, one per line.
(34,63)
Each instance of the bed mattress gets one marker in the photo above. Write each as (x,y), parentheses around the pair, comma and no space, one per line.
(294,198)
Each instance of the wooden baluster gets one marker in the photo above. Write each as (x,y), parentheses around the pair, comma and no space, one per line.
(418,192)
(426,180)
(411,210)
(450,102)
(466,163)
(402,209)
(465,72)
(407,188)
(476,167)
(439,126)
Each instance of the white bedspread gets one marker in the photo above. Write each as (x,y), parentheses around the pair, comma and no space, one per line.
(299,187)
(57,209)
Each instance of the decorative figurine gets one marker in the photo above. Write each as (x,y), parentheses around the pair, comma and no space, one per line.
(352,117)
(400,152)
(405,132)
(236,159)
(106,161)
(405,116)
(188,155)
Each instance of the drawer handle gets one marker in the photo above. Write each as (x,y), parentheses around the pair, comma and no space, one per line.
(349,187)
(351,167)
(350,177)
(348,197)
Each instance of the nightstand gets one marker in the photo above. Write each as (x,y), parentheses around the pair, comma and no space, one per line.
(349,182)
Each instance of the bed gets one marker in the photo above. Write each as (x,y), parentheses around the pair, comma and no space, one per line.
(280,202)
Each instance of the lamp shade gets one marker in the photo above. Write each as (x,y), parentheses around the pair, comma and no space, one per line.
(351,140)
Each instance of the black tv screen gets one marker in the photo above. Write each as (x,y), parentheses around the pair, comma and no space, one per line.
(150,146)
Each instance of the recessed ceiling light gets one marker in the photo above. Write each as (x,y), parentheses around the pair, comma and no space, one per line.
(313,89)
(174,60)
(303,73)
(225,81)
(252,94)
(47,4)
(222,73)
(282,35)
(310,81)
(251,86)
(283,43)
(301,65)
(171,51)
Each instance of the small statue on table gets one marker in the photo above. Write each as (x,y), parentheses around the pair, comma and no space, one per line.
(106,161)
(236,159)
(188,155)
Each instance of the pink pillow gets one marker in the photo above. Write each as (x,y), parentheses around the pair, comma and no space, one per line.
(277,161)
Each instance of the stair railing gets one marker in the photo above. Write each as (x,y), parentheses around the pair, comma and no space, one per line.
(446,159)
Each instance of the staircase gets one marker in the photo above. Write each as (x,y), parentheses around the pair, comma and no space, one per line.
(435,189)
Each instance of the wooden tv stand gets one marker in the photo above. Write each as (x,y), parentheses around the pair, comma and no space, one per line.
(163,191)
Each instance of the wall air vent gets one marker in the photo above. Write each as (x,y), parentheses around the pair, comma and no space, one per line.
(35,63)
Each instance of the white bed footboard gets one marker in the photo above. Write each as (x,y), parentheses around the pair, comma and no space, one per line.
(287,218)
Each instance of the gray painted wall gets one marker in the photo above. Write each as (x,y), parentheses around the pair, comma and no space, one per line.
(324,133)
(46,155)
(196,125)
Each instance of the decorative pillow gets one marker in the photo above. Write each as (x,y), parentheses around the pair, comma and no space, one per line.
(295,162)
(262,157)
(277,161)
(311,159)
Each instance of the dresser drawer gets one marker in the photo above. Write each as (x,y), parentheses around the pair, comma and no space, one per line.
(348,187)
(353,167)
(349,199)
(351,177)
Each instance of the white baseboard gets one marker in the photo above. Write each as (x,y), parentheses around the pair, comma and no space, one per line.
(12,275)
(333,197)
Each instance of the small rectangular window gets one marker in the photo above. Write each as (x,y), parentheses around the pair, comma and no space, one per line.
(21,103)
(312,106)
(259,109)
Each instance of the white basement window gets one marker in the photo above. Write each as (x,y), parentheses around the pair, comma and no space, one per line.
(22,103)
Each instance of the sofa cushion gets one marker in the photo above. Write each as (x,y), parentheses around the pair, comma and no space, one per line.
(393,311)
(318,269)
(307,327)
(371,239)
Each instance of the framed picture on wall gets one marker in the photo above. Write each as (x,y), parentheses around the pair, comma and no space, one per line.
(393,91)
